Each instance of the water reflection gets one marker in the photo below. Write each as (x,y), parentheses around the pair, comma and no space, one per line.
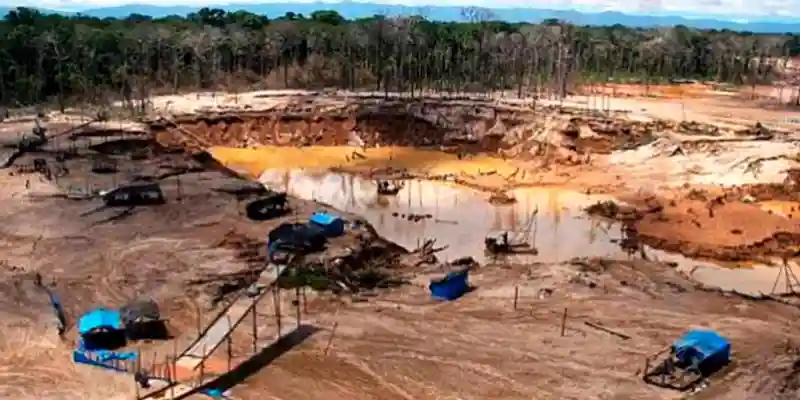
(754,278)
(551,220)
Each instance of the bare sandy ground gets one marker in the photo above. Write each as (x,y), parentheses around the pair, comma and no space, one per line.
(400,345)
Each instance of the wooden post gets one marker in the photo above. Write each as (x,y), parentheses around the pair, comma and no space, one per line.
(199,320)
(255,329)
(305,301)
(516,297)
(330,339)
(174,354)
(230,351)
(277,298)
(202,365)
(171,379)
(137,366)
(297,308)
(564,322)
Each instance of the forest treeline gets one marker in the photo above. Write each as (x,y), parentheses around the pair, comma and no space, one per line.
(54,58)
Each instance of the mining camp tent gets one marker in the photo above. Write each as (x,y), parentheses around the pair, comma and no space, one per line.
(142,320)
(296,237)
(135,195)
(267,207)
(101,329)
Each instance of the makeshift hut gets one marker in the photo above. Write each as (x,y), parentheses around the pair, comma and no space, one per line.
(298,238)
(101,329)
(142,320)
(451,287)
(269,207)
(331,225)
(135,195)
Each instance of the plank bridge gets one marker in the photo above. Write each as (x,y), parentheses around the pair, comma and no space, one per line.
(187,373)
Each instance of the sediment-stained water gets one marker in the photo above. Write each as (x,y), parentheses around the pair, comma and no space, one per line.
(551,220)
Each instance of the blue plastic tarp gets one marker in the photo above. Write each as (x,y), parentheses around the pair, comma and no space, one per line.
(702,345)
(324,218)
(451,287)
(100,318)
(330,224)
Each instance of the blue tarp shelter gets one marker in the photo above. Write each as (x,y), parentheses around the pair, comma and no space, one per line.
(332,225)
(101,329)
(451,287)
(99,319)
(704,348)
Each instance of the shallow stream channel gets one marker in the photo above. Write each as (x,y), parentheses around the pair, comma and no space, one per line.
(550,220)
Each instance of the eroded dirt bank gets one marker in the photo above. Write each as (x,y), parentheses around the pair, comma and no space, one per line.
(727,225)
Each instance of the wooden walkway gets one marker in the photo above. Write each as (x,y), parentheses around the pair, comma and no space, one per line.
(188,376)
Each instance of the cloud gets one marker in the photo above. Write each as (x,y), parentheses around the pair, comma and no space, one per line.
(688,8)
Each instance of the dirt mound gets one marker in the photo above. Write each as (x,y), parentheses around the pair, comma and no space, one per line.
(714,229)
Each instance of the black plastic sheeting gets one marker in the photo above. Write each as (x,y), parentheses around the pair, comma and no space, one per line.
(135,195)
(296,237)
(268,207)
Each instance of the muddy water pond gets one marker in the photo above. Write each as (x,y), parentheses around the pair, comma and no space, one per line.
(550,220)
(460,218)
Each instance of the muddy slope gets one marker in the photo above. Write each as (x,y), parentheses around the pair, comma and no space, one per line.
(706,228)
(451,127)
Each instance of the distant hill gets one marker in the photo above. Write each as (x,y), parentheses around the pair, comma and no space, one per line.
(449,13)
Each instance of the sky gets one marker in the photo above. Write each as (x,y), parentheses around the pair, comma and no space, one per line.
(729,9)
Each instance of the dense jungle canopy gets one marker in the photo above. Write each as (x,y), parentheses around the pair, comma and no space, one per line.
(54,58)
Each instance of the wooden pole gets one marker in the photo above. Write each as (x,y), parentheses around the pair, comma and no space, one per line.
(171,378)
(564,322)
(516,297)
(297,308)
(174,357)
(330,339)
(255,329)
(199,321)
(202,364)
(137,372)
(305,301)
(277,298)
(230,352)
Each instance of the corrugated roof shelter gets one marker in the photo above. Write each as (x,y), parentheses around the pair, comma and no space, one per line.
(101,329)
(705,349)
(451,287)
(332,225)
